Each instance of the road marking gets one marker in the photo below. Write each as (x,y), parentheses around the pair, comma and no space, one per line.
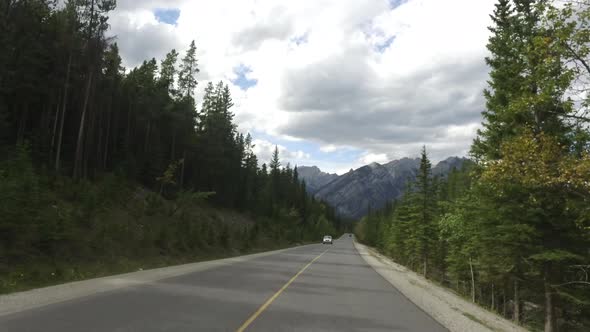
(272,298)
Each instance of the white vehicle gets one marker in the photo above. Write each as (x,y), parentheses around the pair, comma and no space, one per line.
(327,240)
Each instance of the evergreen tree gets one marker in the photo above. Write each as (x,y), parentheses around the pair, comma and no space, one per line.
(168,70)
(187,81)
(68,107)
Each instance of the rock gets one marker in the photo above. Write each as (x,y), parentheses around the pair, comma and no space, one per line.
(368,187)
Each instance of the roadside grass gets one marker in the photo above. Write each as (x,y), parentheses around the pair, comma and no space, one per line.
(54,230)
(42,274)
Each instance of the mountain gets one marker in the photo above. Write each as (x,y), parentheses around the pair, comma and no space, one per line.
(446,166)
(315,178)
(372,185)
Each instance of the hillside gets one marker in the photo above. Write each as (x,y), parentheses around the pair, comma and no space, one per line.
(370,186)
(56,230)
(314,178)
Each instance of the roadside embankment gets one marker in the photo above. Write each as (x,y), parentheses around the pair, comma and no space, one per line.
(449,309)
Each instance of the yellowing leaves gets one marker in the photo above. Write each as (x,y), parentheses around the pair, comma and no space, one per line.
(537,161)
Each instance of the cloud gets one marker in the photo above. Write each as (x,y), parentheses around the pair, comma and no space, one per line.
(382,77)
(141,36)
(275,25)
(328,148)
(374,158)
(132,5)
(265,149)
(389,116)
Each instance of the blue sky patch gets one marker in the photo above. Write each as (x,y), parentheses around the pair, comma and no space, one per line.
(327,161)
(298,40)
(167,15)
(242,81)
(385,45)
(393,4)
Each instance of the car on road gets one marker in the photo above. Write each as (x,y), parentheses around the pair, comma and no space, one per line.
(327,240)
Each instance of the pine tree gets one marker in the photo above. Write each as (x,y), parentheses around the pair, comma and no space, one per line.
(506,79)
(526,109)
(168,71)
(187,81)
(275,177)
(425,199)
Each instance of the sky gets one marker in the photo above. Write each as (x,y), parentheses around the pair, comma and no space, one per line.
(333,83)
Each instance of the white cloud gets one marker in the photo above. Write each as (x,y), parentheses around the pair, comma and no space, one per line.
(328,148)
(320,74)
(374,158)
(265,149)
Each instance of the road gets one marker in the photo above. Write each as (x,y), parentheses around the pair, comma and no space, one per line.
(309,288)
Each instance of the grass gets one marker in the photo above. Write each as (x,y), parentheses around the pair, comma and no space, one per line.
(42,274)
(64,231)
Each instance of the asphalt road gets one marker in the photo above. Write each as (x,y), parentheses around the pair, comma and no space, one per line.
(310,288)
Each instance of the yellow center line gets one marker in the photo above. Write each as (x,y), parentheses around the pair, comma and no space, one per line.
(272,298)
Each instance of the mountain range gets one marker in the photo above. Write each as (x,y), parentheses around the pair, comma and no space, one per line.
(371,186)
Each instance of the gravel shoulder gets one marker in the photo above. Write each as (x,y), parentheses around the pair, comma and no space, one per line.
(449,309)
(21,301)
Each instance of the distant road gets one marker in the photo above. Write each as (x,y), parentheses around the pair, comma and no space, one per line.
(309,288)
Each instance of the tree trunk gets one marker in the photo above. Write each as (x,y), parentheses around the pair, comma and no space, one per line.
(480,293)
(22,124)
(45,120)
(114,148)
(79,144)
(493,299)
(90,136)
(472,280)
(424,268)
(63,113)
(106,140)
(99,144)
(182,169)
(504,309)
(147,137)
(549,305)
(173,149)
(549,309)
(55,120)
(128,131)
(516,313)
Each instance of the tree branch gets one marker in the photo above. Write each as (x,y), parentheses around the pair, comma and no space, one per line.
(571,116)
(577,57)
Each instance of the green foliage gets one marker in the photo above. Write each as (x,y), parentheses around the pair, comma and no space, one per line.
(187,81)
(151,171)
(514,228)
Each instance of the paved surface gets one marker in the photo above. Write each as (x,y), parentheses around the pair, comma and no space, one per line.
(337,292)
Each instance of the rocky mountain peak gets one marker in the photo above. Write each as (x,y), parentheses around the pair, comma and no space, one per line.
(372,185)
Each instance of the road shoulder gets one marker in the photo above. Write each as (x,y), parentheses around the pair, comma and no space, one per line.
(449,309)
(21,301)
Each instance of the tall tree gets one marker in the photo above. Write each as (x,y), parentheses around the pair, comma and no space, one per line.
(94,19)
(527,103)
(187,81)
(168,70)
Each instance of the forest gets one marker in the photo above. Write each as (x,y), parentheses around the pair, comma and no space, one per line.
(511,231)
(106,169)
